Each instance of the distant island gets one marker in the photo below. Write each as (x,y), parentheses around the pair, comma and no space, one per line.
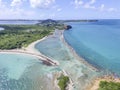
(56,21)
(80,20)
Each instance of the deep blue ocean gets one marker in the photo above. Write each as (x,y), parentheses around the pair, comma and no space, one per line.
(97,42)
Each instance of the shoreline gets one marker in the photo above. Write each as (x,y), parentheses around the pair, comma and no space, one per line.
(30,50)
(95,83)
(31,47)
(76,55)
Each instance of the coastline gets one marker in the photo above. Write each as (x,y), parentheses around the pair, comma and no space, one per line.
(31,47)
(82,60)
(76,55)
(95,83)
(30,50)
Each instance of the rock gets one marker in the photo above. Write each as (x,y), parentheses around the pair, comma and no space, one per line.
(47,63)
(67,27)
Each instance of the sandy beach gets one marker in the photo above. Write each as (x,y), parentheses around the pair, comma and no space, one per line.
(30,50)
(95,83)
(31,47)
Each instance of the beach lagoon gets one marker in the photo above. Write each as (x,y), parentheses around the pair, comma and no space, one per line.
(82,51)
(25,72)
(55,48)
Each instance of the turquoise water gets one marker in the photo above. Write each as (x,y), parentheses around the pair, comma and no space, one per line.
(54,48)
(97,42)
(24,72)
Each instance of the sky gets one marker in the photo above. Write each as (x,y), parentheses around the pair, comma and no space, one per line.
(60,9)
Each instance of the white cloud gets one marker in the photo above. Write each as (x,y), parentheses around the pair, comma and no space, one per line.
(1,4)
(15,8)
(59,9)
(0,1)
(88,4)
(41,3)
(16,3)
(112,9)
(92,1)
(78,3)
(13,12)
(102,7)
(91,5)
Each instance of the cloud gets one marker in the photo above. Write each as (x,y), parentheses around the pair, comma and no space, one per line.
(78,3)
(15,13)
(90,4)
(41,3)
(1,4)
(33,3)
(92,1)
(112,9)
(103,8)
(14,8)
(16,3)
(10,11)
(83,4)
(59,9)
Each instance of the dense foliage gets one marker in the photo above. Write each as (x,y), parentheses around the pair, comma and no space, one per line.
(63,80)
(17,36)
(104,85)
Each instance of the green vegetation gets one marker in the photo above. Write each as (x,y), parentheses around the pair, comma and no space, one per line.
(104,85)
(63,80)
(17,36)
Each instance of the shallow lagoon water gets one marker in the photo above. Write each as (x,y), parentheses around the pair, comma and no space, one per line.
(24,72)
(54,48)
